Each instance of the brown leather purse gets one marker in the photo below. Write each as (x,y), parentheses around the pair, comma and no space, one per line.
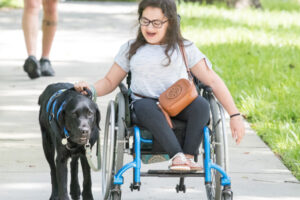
(180,94)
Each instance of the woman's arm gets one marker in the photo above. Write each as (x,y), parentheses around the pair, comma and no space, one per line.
(210,78)
(106,85)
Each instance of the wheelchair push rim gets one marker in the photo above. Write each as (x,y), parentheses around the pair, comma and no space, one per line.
(108,150)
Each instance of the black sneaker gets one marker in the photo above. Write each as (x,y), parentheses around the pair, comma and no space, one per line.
(46,67)
(32,67)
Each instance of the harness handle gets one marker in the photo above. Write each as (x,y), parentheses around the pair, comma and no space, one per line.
(89,93)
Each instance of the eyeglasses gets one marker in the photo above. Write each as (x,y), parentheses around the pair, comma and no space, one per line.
(155,23)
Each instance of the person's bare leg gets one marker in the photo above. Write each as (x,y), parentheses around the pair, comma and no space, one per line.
(30,24)
(49,28)
(50,18)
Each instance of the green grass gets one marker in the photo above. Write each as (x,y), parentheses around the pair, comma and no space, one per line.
(19,3)
(11,3)
(257,53)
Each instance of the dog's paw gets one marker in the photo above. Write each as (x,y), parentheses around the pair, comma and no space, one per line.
(75,197)
(53,197)
(75,192)
(87,197)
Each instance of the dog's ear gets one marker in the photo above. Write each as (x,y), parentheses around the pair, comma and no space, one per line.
(98,117)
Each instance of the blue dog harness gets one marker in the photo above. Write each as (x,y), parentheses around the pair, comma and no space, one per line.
(51,110)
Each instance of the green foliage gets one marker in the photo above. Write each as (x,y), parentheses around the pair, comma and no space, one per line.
(110,0)
(11,3)
(257,54)
(287,5)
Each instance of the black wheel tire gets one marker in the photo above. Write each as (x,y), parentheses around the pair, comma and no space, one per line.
(227,194)
(210,192)
(115,196)
(218,152)
(177,188)
(227,197)
(120,137)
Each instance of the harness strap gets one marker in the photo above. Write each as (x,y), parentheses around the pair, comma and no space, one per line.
(66,132)
(60,109)
(54,96)
(51,106)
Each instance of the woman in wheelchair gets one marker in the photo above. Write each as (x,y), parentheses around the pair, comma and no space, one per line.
(155,62)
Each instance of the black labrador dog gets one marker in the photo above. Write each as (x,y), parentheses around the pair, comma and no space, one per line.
(68,122)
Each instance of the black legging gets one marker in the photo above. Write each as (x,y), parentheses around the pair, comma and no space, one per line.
(151,117)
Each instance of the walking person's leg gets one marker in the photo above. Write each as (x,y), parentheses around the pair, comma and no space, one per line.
(50,18)
(150,117)
(30,25)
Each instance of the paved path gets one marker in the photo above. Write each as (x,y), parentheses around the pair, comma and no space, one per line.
(88,37)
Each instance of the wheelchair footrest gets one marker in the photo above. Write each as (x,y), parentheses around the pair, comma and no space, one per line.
(171,173)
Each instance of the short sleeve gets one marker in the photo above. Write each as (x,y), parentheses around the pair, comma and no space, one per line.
(194,55)
(122,57)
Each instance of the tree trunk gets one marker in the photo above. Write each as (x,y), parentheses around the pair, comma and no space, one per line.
(243,3)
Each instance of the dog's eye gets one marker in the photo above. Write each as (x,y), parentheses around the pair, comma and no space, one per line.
(74,115)
(90,114)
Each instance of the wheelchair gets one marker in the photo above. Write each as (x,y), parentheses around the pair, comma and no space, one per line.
(122,135)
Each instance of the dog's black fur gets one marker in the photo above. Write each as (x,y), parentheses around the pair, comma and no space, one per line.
(81,117)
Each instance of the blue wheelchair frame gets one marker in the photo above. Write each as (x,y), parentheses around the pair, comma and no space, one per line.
(136,163)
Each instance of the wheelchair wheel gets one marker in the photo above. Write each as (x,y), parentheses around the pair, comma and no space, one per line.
(108,150)
(219,151)
(115,193)
(113,147)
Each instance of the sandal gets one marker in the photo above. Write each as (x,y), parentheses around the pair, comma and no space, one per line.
(179,163)
(193,165)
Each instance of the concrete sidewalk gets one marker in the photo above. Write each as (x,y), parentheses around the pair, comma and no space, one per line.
(88,37)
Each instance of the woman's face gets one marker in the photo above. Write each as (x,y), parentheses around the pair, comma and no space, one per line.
(154,25)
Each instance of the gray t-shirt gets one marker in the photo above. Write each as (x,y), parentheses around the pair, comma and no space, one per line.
(149,75)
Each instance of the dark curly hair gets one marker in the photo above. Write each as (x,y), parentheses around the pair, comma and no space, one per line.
(173,35)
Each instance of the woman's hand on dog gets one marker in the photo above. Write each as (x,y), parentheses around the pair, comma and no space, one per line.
(80,86)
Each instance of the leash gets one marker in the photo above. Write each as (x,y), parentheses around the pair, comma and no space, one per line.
(88,154)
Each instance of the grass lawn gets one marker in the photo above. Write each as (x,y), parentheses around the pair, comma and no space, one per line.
(11,3)
(257,53)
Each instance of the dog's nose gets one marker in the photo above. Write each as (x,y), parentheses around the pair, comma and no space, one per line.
(84,131)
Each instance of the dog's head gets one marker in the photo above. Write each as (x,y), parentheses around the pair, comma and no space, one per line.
(80,116)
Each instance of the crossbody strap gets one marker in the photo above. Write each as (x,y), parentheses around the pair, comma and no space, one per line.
(183,53)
